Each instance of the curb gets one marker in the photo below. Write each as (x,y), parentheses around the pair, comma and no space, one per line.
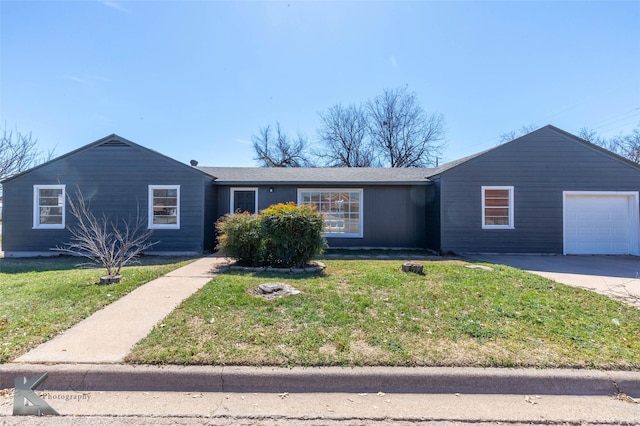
(446,380)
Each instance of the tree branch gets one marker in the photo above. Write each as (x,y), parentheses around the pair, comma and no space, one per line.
(112,244)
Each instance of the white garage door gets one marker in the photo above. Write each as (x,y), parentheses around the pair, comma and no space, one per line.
(601,223)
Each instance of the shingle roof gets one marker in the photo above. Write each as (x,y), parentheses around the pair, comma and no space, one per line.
(330,175)
(111,140)
(455,163)
(301,175)
(451,164)
(322,176)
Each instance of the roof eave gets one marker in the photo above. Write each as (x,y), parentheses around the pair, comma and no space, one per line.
(320,183)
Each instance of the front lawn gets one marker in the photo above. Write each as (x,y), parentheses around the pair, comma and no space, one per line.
(42,297)
(371,313)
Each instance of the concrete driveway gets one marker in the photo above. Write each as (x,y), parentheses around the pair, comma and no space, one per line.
(615,276)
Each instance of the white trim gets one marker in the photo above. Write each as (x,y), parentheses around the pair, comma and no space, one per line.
(360,210)
(36,207)
(634,215)
(152,225)
(238,188)
(511,224)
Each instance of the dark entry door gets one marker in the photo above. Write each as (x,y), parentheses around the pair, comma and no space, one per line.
(244,201)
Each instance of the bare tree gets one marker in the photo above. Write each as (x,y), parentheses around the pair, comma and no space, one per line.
(18,152)
(390,130)
(112,244)
(592,136)
(403,134)
(345,138)
(627,145)
(279,150)
(509,136)
(630,145)
(589,135)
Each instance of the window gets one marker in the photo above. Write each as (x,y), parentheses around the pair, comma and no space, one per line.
(341,209)
(164,206)
(497,207)
(48,206)
(244,200)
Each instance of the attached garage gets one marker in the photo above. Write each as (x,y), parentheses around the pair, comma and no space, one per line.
(601,222)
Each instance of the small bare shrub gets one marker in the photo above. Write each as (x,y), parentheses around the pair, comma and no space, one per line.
(112,244)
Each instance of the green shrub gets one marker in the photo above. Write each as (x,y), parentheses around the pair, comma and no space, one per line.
(283,235)
(240,238)
(292,234)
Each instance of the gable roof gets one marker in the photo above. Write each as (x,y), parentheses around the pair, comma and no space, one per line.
(111,140)
(448,166)
(318,176)
(594,146)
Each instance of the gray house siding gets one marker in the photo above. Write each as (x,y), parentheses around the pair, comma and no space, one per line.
(432,216)
(438,208)
(210,216)
(114,179)
(539,166)
(221,201)
(393,216)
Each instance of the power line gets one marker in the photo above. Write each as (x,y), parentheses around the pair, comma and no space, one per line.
(618,120)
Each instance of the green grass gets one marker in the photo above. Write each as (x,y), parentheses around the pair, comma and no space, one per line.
(41,297)
(371,313)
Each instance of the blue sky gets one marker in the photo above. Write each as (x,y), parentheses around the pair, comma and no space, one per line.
(195,79)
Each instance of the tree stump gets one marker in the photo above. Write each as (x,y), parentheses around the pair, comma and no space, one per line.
(412,267)
(110,279)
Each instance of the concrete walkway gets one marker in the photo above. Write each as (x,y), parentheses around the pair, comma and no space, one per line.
(108,335)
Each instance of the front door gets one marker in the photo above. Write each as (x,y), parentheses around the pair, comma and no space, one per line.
(244,200)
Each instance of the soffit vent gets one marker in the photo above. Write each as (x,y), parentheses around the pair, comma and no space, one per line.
(113,143)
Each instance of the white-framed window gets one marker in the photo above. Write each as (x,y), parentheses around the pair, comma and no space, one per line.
(340,208)
(243,199)
(164,206)
(49,206)
(497,207)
